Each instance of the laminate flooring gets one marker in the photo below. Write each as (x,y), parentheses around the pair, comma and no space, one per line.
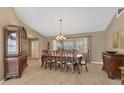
(35,75)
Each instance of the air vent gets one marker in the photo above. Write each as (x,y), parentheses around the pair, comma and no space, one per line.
(120,11)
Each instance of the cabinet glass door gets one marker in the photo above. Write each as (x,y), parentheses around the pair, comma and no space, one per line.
(12,44)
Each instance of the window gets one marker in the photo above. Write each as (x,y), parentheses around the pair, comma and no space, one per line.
(68,44)
(56,45)
(81,45)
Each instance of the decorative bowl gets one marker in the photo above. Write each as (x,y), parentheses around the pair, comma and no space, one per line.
(111,52)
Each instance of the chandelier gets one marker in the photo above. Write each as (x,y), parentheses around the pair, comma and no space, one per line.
(60,37)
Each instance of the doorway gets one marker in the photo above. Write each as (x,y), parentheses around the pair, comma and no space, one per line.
(33,47)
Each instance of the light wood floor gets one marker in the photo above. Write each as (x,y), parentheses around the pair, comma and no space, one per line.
(34,75)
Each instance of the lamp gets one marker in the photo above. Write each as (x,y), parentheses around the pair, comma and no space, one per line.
(60,37)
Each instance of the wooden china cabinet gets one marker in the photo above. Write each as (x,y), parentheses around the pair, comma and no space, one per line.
(15,51)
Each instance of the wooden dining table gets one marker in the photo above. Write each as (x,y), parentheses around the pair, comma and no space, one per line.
(76,63)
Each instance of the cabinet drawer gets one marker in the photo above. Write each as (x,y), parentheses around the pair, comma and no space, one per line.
(122,75)
(122,82)
(122,71)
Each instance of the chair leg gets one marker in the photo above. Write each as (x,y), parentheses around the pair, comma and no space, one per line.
(42,64)
(50,66)
(55,66)
(45,65)
(72,69)
(66,67)
(61,67)
(86,68)
(79,68)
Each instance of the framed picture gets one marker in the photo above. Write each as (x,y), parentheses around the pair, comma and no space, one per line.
(116,39)
(121,38)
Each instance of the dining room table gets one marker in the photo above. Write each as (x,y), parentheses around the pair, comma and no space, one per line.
(76,63)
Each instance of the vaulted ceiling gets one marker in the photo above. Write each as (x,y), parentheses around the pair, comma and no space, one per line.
(76,20)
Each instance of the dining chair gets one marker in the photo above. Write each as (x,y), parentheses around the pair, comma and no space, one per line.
(59,60)
(84,61)
(75,59)
(50,61)
(63,59)
(43,57)
(69,61)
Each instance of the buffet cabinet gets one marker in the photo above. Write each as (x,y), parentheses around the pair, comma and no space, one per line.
(15,59)
(111,64)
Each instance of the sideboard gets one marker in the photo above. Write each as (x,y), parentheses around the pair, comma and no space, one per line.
(111,64)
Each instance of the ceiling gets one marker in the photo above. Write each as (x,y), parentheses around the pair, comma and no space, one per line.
(45,20)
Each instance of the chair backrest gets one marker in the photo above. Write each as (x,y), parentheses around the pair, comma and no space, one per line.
(58,56)
(44,52)
(53,53)
(68,56)
(49,52)
(63,55)
(74,54)
(85,57)
(44,55)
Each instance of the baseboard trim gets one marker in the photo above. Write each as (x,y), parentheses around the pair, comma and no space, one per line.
(31,58)
(39,59)
(1,82)
(95,62)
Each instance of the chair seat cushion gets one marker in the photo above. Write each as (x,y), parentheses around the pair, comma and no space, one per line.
(50,61)
(83,62)
(58,62)
(47,61)
(53,60)
(69,63)
(63,62)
